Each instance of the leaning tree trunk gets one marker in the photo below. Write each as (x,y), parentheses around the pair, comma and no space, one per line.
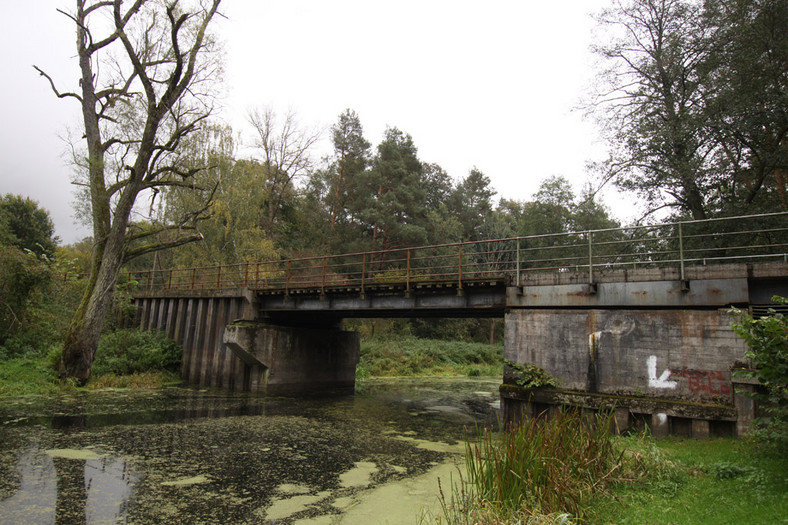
(79,348)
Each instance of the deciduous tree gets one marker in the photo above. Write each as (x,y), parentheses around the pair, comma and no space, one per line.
(651,101)
(145,69)
(27,226)
(286,149)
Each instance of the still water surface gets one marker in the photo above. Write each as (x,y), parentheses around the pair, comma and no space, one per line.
(195,456)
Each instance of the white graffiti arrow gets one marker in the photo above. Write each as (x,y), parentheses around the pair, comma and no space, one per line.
(662,381)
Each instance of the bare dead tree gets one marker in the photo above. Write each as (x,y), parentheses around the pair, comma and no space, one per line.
(146,68)
(286,149)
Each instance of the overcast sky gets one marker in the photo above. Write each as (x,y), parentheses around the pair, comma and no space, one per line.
(488,84)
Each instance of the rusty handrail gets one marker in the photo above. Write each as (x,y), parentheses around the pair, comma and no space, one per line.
(676,244)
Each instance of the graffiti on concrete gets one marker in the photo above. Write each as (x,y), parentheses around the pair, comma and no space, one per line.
(662,380)
(711,382)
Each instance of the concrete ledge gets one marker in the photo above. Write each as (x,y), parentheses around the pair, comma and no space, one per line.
(703,293)
(640,405)
(659,416)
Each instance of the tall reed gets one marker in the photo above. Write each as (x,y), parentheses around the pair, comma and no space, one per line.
(547,465)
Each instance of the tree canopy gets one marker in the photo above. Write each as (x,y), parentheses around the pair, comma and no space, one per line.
(692,100)
(27,226)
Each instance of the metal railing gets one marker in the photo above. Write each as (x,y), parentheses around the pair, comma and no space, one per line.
(675,244)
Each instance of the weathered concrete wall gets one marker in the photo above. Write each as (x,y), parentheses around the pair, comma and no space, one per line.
(669,367)
(296,359)
(677,354)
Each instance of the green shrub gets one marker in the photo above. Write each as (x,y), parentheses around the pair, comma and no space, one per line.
(133,351)
(531,376)
(767,339)
(410,356)
(22,276)
(47,319)
(24,376)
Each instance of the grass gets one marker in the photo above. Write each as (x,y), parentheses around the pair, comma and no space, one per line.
(412,356)
(125,359)
(568,471)
(545,470)
(26,376)
(721,481)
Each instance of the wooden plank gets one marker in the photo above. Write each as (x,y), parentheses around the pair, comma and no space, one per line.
(188,336)
(221,351)
(171,316)
(180,321)
(198,341)
(206,370)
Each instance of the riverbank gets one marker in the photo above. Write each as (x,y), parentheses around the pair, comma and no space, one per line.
(405,355)
(389,356)
(695,482)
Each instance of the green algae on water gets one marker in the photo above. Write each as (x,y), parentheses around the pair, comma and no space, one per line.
(183,482)
(73,453)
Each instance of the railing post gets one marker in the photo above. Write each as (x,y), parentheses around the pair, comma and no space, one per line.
(681,251)
(517,268)
(459,272)
(590,258)
(169,280)
(246,275)
(257,275)
(194,277)
(287,279)
(323,277)
(363,273)
(147,285)
(407,275)
(219,277)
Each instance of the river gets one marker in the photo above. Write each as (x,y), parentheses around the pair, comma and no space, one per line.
(181,455)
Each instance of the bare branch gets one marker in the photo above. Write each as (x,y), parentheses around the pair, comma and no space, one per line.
(155,247)
(58,94)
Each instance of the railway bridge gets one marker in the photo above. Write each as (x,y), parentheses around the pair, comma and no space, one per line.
(635,318)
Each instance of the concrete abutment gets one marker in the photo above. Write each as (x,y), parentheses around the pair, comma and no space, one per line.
(659,353)
(224,346)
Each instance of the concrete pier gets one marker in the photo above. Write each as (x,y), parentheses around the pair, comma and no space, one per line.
(295,360)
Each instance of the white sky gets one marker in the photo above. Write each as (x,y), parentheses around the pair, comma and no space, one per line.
(488,84)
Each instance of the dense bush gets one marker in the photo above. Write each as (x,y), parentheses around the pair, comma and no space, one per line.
(767,338)
(410,356)
(22,276)
(134,351)
(47,319)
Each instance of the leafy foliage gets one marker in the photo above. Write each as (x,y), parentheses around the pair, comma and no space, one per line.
(692,102)
(410,356)
(767,338)
(24,376)
(22,275)
(133,351)
(531,376)
(24,225)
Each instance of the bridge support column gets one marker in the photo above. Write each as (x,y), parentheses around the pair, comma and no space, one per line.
(295,359)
